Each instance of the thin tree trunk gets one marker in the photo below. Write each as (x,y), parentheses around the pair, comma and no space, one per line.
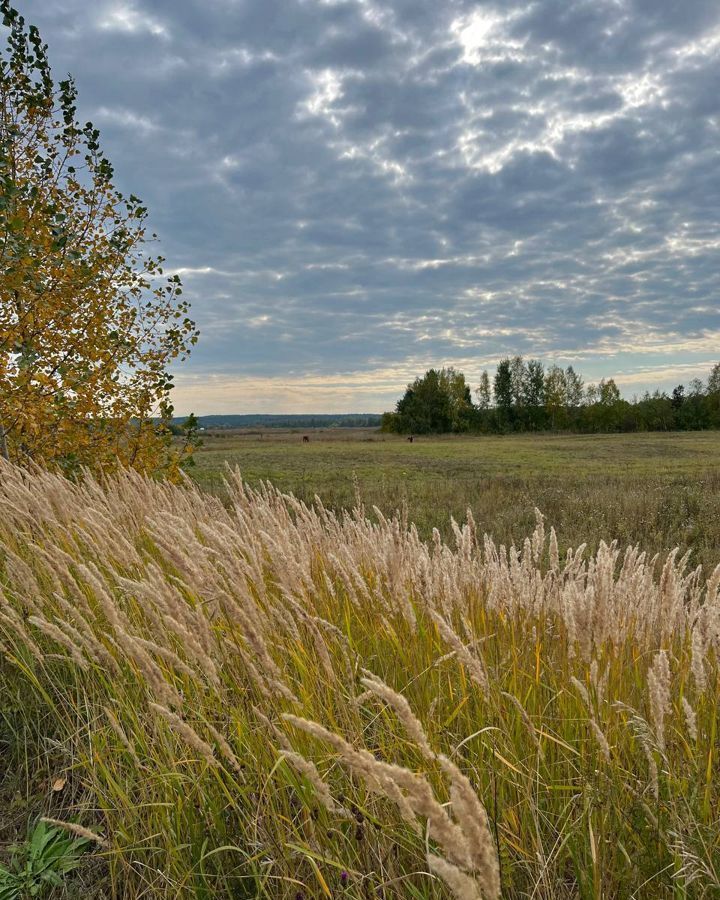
(3,443)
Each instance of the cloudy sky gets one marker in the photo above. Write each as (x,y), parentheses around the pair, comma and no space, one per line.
(354,190)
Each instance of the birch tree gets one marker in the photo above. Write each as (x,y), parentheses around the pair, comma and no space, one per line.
(89,325)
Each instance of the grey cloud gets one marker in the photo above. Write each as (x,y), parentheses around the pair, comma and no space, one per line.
(368,190)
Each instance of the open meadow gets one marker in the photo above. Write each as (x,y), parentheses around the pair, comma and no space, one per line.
(660,490)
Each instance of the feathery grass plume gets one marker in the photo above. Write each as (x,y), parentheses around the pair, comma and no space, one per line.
(473,820)
(553,551)
(527,722)
(25,583)
(698,651)
(317,638)
(225,749)
(113,613)
(308,769)
(272,677)
(78,830)
(96,649)
(599,681)
(712,595)
(251,670)
(88,646)
(402,709)
(409,790)
(538,538)
(150,670)
(58,635)
(466,842)
(690,719)
(659,695)
(600,738)
(280,736)
(647,740)
(695,868)
(123,738)
(166,654)
(421,799)
(581,689)
(186,732)
(462,885)
(14,623)
(474,666)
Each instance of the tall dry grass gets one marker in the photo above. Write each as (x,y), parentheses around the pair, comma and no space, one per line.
(262,699)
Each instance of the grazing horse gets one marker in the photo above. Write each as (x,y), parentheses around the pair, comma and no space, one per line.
(306,439)
(411,438)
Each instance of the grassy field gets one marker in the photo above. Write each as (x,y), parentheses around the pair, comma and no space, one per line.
(226,693)
(260,701)
(659,490)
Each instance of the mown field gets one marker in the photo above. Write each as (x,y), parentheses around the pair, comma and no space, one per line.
(659,490)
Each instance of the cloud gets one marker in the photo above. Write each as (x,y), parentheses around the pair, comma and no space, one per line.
(125,17)
(353,190)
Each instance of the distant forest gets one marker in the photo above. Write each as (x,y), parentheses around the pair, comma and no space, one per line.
(527,396)
(341,420)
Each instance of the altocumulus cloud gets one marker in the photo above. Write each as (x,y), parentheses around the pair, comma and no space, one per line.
(353,190)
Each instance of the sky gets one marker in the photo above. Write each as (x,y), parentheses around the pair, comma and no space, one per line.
(356,190)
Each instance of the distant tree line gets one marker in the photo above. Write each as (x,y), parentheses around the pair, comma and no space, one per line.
(527,396)
(281,420)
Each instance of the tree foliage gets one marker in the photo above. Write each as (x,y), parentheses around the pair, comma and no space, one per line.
(529,397)
(483,391)
(438,402)
(713,385)
(503,387)
(88,322)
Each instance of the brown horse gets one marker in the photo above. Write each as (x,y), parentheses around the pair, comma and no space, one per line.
(306,439)
(410,438)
